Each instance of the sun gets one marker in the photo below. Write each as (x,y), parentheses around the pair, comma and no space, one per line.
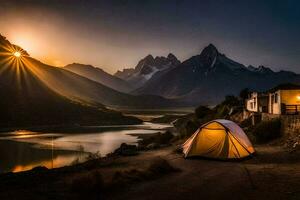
(17,54)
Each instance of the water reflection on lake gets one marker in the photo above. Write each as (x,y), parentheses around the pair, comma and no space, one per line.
(23,150)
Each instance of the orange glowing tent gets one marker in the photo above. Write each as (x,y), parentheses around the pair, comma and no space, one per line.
(221,139)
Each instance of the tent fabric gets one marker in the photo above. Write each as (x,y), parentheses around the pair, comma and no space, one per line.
(221,139)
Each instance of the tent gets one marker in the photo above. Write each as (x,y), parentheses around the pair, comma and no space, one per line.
(221,139)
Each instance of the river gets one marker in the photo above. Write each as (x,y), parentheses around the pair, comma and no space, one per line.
(23,150)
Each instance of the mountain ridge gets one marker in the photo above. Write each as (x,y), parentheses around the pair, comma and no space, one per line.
(99,75)
(207,77)
(147,68)
(26,101)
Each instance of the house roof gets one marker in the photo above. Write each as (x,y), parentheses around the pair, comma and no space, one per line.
(287,86)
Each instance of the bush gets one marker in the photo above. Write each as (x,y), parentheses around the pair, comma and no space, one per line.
(159,138)
(231,100)
(126,150)
(165,138)
(156,168)
(160,166)
(202,111)
(246,123)
(266,131)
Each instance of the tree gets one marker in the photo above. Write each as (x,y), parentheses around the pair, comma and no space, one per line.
(244,93)
(231,100)
(202,111)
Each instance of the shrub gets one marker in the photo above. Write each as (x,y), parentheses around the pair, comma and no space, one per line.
(156,168)
(165,138)
(159,138)
(246,123)
(126,150)
(191,127)
(231,100)
(160,166)
(244,93)
(266,131)
(202,111)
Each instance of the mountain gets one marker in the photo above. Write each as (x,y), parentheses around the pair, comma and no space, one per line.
(100,76)
(206,78)
(84,90)
(147,68)
(27,101)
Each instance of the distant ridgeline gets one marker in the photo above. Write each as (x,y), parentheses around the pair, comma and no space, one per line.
(33,93)
(28,100)
(202,79)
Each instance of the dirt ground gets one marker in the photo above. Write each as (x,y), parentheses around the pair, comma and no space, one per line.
(272,174)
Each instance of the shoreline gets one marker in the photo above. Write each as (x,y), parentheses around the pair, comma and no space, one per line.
(31,144)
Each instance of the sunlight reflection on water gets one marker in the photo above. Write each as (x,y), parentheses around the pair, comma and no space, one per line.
(23,150)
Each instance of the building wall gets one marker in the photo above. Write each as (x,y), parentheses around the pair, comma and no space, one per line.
(251,103)
(290,124)
(268,116)
(275,107)
(263,103)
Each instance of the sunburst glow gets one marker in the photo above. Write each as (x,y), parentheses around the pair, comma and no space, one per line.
(17,54)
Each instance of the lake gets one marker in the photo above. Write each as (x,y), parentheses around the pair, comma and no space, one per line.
(23,150)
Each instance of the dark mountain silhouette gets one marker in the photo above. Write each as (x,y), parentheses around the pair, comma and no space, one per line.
(82,89)
(147,68)
(27,101)
(208,77)
(100,76)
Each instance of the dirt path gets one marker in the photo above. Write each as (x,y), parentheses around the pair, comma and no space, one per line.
(272,174)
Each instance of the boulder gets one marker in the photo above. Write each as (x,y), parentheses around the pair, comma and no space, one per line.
(126,150)
(153,146)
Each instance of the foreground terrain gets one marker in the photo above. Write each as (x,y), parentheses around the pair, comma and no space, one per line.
(273,173)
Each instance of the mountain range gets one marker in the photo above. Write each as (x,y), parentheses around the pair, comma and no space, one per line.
(146,68)
(34,93)
(26,100)
(208,77)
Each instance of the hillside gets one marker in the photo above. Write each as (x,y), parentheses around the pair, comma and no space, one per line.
(27,101)
(100,76)
(79,88)
(206,78)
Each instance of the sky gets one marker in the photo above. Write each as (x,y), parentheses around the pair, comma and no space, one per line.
(116,34)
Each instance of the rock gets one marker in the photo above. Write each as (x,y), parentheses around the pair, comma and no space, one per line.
(126,150)
(152,146)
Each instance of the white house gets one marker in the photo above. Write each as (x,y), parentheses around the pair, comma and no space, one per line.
(257,102)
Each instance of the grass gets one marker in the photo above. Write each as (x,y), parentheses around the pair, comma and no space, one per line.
(155,169)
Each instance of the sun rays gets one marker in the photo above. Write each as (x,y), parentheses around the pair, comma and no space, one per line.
(15,62)
(20,69)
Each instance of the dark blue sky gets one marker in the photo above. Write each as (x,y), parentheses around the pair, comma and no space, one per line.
(116,34)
